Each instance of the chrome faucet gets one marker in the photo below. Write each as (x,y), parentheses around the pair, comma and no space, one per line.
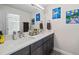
(20,34)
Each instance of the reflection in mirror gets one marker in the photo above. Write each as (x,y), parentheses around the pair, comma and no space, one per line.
(13,23)
(38,17)
(12,17)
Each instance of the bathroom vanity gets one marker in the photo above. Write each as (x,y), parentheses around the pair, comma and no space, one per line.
(42,47)
(41,44)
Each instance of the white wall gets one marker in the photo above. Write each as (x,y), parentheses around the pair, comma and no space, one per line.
(4,10)
(67,35)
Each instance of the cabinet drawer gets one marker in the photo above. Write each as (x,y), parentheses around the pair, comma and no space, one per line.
(34,46)
(24,51)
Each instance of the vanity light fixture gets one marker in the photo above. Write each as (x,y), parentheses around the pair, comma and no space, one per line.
(38,6)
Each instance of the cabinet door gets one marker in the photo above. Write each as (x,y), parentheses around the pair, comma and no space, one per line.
(36,45)
(48,45)
(24,51)
(51,42)
(38,51)
(46,48)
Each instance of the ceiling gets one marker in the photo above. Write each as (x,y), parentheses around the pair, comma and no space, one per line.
(25,7)
(43,5)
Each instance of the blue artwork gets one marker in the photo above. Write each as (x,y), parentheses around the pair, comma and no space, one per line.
(38,17)
(56,13)
(72,16)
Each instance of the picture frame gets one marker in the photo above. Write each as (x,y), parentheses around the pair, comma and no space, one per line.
(56,13)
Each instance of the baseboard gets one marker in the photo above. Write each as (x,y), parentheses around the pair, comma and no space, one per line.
(63,52)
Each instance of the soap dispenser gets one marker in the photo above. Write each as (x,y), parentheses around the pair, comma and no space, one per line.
(41,26)
(48,25)
(14,35)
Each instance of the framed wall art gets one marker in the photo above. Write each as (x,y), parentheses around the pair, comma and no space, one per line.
(72,16)
(56,13)
(38,17)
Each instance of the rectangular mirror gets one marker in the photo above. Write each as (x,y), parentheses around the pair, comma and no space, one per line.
(13,17)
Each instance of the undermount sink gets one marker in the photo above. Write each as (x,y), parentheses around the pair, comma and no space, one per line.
(27,38)
(31,37)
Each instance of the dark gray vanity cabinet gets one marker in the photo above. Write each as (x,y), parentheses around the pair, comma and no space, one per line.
(44,46)
(41,47)
(24,51)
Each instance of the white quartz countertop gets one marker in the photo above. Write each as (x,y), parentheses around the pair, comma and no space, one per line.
(10,46)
